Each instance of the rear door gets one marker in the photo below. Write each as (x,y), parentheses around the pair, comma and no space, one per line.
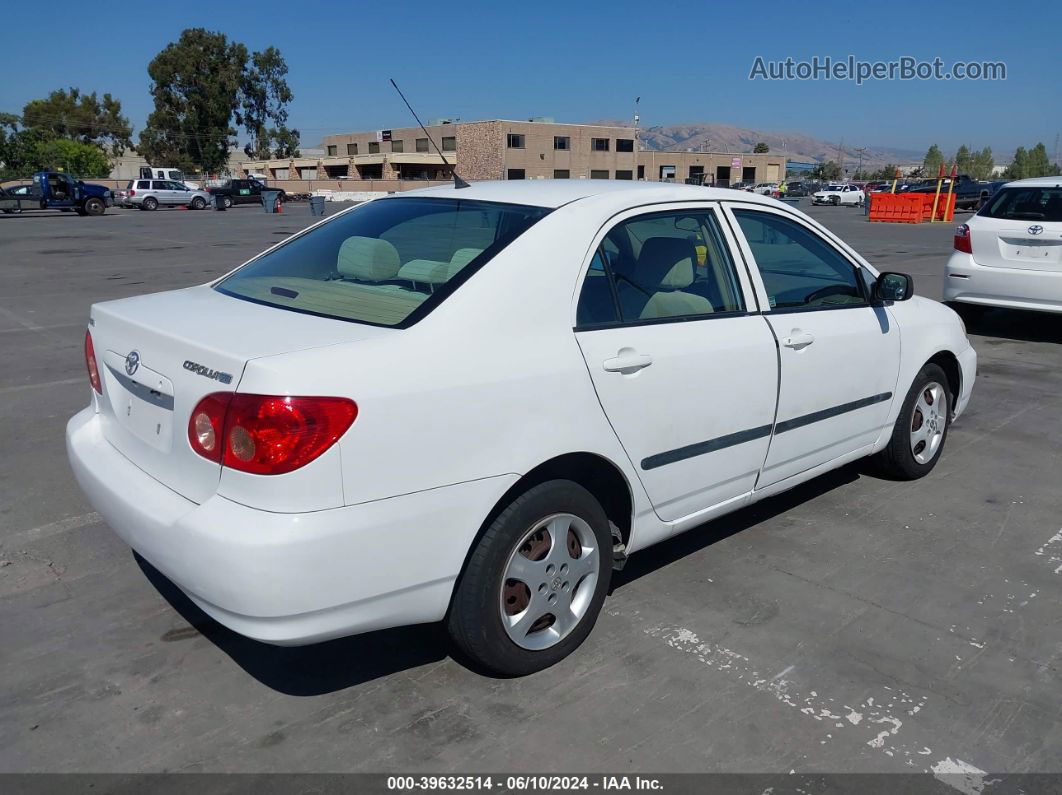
(839,356)
(683,366)
(1020,228)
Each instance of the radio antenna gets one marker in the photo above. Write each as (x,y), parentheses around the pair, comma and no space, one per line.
(458,182)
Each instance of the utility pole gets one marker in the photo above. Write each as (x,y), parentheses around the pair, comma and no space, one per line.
(859,168)
(840,156)
(636,101)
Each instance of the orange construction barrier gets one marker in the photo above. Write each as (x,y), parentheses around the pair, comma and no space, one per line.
(910,208)
(897,208)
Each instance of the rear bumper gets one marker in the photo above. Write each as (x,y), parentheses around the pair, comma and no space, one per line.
(289,579)
(966,281)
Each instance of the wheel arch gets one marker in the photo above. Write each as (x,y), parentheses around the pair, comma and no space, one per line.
(595,473)
(949,363)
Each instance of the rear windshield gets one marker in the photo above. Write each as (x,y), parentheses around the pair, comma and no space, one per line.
(387,263)
(1025,204)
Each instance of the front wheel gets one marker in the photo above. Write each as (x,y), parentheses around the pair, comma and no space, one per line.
(198,203)
(835,201)
(226,202)
(535,582)
(921,429)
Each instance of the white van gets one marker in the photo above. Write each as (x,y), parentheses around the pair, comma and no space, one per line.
(162,172)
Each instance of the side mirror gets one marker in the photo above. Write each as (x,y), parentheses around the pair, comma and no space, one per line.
(893,287)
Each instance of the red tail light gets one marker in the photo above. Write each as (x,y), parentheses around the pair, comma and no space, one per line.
(265,434)
(962,239)
(132,193)
(90,363)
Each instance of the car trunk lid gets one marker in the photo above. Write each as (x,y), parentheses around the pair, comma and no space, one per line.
(1019,244)
(160,354)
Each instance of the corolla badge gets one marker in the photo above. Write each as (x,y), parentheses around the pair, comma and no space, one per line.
(1036,229)
(132,362)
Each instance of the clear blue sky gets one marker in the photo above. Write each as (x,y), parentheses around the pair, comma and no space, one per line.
(581,61)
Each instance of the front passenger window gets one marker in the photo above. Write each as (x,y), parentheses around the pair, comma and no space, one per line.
(799,268)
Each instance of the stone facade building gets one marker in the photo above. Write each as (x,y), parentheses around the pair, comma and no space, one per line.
(500,149)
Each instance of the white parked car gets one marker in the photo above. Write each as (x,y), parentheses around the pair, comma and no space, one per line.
(839,194)
(472,404)
(766,188)
(1010,253)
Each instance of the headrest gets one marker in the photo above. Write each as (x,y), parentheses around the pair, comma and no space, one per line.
(368,259)
(665,263)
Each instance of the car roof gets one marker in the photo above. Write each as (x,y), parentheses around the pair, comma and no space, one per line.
(558,192)
(1036,182)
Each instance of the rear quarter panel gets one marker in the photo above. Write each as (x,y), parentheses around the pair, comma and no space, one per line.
(490,383)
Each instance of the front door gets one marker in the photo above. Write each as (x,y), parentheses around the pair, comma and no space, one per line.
(839,355)
(683,367)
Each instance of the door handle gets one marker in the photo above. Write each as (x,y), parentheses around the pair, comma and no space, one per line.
(627,361)
(797,339)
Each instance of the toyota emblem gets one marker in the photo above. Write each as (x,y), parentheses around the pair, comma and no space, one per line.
(132,362)
(1036,229)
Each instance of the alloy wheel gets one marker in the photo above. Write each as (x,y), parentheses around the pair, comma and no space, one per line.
(549,581)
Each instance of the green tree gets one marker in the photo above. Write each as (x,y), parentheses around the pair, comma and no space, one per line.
(983,164)
(1038,164)
(964,160)
(204,83)
(196,83)
(73,157)
(86,118)
(265,95)
(1016,169)
(761,148)
(932,162)
(828,170)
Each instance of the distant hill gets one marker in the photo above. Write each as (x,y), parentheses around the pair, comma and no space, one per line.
(719,137)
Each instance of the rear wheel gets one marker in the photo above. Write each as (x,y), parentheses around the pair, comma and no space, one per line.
(535,582)
(198,203)
(226,201)
(921,429)
(150,203)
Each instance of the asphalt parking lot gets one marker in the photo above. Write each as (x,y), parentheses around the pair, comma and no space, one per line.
(853,624)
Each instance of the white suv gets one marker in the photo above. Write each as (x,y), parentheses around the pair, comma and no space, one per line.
(1010,253)
(472,404)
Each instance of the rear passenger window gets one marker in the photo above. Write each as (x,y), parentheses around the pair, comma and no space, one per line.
(658,266)
(799,268)
(143,185)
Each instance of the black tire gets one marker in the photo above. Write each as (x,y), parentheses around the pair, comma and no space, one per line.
(897,460)
(226,201)
(150,204)
(475,617)
(95,206)
(835,201)
(198,203)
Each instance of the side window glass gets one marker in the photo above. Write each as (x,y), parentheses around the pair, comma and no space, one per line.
(597,301)
(799,268)
(672,264)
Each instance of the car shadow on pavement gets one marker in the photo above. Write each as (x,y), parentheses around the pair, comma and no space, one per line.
(667,552)
(1014,324)
(310,670)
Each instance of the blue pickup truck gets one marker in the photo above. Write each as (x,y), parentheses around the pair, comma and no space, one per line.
(54,190)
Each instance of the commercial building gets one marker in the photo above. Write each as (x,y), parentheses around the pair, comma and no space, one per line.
(500,149)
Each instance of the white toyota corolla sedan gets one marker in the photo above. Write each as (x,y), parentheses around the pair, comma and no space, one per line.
(1010,253)
(472,404)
